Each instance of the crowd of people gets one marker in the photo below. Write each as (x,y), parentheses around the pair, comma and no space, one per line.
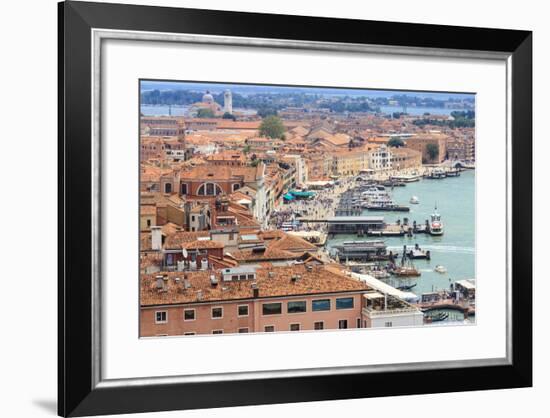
(319,207)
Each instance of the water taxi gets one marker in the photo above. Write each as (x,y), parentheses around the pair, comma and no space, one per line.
(436,226)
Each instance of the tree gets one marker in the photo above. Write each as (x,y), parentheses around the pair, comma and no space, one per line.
(265,111)
(228,115)
(433,151)
(205,113)
(272,127)
(396,143)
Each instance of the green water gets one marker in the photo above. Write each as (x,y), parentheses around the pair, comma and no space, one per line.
(455,249)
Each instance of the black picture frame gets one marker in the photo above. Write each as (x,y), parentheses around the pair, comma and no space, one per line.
(76,391)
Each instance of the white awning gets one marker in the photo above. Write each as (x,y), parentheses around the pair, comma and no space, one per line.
(373,295)
(466,284)
(383,287)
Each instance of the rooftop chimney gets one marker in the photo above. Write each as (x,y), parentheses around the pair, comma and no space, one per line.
(160,282)
(156,238)
(213,280)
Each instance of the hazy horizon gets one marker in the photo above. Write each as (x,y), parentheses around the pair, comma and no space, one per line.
(246,89)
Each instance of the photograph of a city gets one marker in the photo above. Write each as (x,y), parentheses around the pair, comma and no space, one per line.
(269,208)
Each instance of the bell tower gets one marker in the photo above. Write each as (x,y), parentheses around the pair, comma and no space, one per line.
(227,102)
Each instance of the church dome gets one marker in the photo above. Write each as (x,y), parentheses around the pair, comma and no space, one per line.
(208,98)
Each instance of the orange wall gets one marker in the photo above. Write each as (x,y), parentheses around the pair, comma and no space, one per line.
(256,321)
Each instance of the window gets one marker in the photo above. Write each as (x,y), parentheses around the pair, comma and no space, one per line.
(188,333)
(192,218)
(317,326)
(243,310)
(243,330)
(388,324)
(320,305)
(168,188)
(209,189)
(189,315)
(217,331)
(161,317)
(184,189)
(271,308)
(296,307)
(342,323)
(358,322)
(217,313)
(148,223)
(269,328)
(295,327)
(344,303)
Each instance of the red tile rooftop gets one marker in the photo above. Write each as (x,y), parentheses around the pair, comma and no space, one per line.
(270,281)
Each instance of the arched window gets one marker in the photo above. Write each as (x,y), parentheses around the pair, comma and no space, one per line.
(236,186)
(209,189)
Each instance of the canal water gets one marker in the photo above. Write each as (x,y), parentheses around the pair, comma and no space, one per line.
(455,249)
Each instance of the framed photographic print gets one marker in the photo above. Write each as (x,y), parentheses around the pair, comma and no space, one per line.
(263,208)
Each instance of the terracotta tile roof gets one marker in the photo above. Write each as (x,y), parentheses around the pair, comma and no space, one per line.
(225,262)
(145,241)
(270,254)
(202,245)
(300,130)
(229,124)
(316,280)
(170,228)
(147,210)
(175,241)
(221,172)
(293,244)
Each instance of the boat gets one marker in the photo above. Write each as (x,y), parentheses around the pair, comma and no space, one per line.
(436,226)
(436,317)
(364,250)
(406,271)
(393,183)
(387,207)
(406,288)
(416,253)
(440,269)
(406,178)
(414,200)
(437,174)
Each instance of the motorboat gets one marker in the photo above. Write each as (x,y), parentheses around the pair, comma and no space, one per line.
(440,269)
(414,200)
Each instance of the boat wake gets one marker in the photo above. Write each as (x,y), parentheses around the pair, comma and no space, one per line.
(439,248)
